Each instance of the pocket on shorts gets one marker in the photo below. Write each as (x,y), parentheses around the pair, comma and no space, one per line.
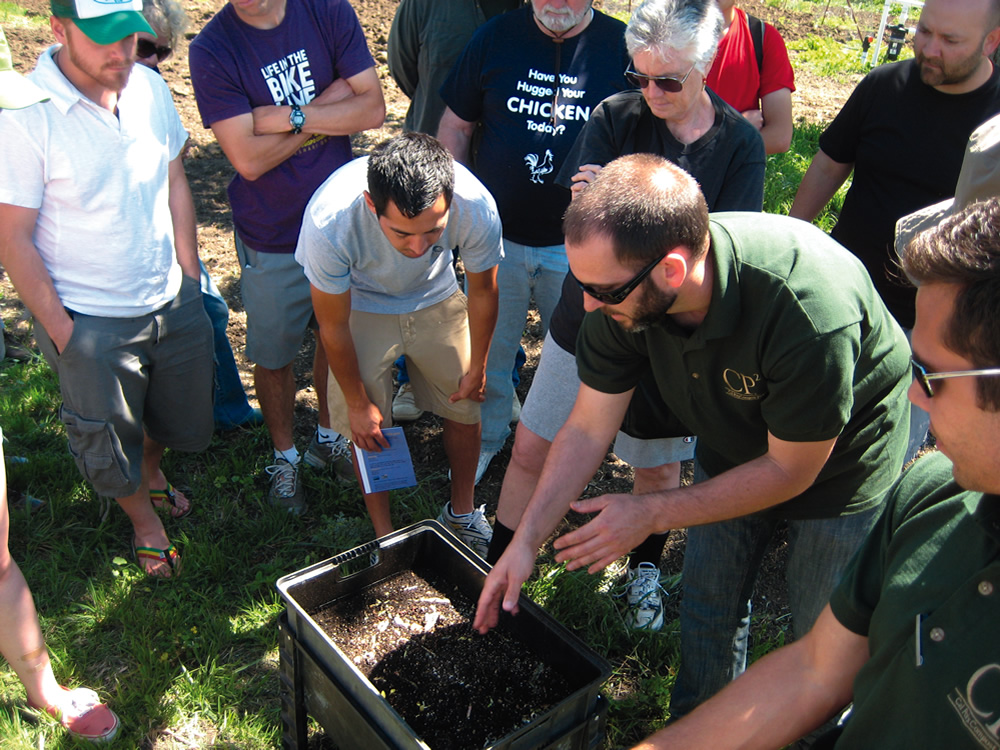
(92,445)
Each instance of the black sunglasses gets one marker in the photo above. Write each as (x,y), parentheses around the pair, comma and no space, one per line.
(666,84)
(923,377)
(617,296)
(145,48)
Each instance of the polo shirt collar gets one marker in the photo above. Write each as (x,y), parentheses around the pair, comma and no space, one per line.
(987,515)
(724,309)
(48,76)
(63,93)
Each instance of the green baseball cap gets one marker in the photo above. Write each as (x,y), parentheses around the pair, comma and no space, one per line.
(16,91)
(104,21)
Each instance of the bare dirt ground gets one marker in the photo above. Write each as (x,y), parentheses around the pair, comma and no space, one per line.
(816,99)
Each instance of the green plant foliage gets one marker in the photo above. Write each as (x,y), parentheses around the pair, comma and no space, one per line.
(785,171)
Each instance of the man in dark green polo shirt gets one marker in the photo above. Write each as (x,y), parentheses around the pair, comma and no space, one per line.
(769,342)
(911,631)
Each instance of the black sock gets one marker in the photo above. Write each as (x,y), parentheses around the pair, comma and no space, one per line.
(501,538)
(650,550)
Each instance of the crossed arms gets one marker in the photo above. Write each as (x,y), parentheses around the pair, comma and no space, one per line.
(260,140)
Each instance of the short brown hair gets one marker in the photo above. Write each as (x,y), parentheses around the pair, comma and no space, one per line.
(645,205)
(965,250)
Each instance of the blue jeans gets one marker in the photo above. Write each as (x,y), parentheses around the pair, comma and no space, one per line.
(524,272)
(721,562)
(231,406)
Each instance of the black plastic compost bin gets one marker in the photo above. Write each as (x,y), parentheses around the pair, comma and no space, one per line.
(318,680)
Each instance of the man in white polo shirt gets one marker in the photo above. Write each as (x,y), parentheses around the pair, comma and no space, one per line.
(98,234)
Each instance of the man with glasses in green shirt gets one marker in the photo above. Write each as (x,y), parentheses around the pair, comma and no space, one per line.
(910,632)
(767,340)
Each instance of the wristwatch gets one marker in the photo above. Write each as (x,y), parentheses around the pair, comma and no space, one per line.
(297,119)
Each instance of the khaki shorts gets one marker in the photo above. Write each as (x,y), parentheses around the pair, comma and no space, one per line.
(436,343)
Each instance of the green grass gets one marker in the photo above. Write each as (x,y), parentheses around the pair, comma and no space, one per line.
(785,171)
(12,14)
(193,662)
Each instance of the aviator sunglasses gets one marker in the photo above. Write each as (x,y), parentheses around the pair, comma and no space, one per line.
(666,84)
(617,296)
(923,377)
(145,48)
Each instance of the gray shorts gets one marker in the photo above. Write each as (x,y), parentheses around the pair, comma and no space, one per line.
(551,398)
(120,377)
(278,304)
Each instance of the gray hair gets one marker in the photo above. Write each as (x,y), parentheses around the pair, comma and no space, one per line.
(691,27)
(167,18)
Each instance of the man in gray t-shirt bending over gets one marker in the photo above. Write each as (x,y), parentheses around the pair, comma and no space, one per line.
(376,243)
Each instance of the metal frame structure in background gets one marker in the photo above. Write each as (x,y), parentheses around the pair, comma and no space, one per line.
(876,48)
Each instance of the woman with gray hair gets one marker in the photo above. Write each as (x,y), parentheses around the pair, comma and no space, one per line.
(672,114)
(169,21)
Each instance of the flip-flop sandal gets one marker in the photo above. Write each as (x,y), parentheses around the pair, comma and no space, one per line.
(86,717)
(166,498)
(170,556)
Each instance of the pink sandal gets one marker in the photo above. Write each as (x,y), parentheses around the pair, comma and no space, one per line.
(86,717)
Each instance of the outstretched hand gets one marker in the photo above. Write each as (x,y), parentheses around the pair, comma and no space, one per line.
(503,587)
(622,522)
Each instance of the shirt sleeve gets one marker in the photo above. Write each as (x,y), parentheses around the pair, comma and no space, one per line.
(217,89)
(810,379)
(350,47)
(743,187)
(404,47)
(776,70)
(596,144)
(22,164)
(326,268)
(462,90)
(854,599)
(841,138)
(602,341)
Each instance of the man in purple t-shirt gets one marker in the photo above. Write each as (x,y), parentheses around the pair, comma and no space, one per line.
(282,84)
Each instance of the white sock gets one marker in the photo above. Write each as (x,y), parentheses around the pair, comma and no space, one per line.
(291,455)
(326,434)
(453,514)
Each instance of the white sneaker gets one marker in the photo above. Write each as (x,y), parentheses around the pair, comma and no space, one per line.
(515,410)
(645,605)
(472,528)
(404,407)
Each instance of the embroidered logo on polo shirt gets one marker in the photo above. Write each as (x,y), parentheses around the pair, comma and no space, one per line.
(978,713)
(742,386)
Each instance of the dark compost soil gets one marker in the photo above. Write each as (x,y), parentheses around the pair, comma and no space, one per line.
(412,637)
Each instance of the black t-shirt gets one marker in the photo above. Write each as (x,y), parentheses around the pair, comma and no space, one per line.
(505,80)
(727,161)
(906,140)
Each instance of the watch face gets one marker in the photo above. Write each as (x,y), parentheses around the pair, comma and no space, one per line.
(297,118)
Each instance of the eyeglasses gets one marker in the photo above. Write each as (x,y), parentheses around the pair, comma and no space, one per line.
(666,84)
(617,296)
(923,377)
(145,48)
